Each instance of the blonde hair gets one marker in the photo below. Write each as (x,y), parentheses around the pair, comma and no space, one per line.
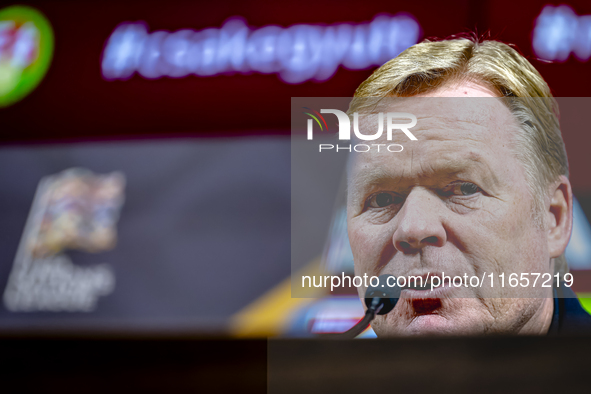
(431,64)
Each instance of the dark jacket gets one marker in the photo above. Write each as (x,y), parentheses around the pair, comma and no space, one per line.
(569,317)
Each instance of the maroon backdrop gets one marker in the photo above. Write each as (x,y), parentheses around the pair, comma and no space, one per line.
(74,102)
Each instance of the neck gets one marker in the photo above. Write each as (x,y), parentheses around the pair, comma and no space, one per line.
(539,324)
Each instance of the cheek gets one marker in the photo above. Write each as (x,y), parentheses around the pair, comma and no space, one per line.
(367,243)
(502,238)
(522,235)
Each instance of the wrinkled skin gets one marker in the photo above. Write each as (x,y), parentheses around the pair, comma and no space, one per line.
(456,201)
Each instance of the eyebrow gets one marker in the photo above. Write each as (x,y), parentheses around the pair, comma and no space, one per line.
(378,175)
(373,176)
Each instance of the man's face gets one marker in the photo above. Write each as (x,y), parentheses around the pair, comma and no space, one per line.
(453,202)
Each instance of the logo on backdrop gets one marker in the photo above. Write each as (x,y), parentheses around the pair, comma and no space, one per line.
(26,48)
(73,210)
(297,53)
(559,31)
(395,121)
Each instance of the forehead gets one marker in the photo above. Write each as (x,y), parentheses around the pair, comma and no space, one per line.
(457,119)
(453,134)
(461,113)
(466,102)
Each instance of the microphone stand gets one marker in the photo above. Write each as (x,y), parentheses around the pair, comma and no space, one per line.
(379,300)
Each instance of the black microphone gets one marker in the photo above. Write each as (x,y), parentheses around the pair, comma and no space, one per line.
(379,299)
(383,297)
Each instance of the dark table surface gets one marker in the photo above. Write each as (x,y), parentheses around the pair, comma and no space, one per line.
(183,363)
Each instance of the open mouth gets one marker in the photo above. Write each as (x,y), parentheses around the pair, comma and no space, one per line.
(425,306)
(426,292)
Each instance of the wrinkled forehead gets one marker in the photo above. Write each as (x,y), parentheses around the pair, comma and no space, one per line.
(450,132)
(470,117)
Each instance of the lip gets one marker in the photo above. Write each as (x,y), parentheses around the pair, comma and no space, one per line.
(438,292)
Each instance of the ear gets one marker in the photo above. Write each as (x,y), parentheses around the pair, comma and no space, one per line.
(560,216)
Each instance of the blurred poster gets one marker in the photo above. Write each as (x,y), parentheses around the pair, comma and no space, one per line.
(73,210)
(141,234)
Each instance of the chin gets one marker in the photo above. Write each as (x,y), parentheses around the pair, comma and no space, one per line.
(432,324)
(426,325)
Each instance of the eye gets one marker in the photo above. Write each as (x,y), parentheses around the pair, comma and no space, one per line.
(462,189)
(383,199)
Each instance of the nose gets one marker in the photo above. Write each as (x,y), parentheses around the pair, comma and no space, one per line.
(420,222)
